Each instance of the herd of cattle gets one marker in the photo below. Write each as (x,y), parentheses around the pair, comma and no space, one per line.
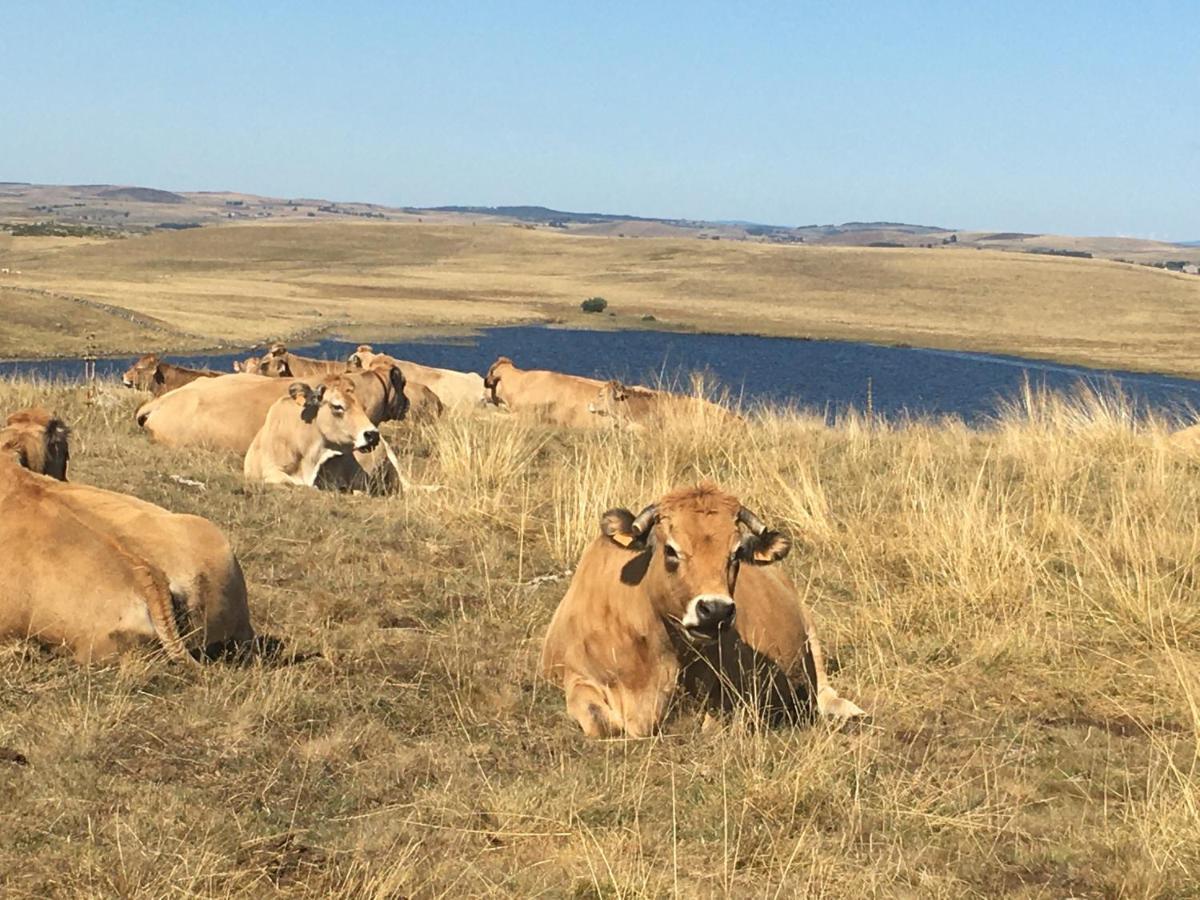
(681,596)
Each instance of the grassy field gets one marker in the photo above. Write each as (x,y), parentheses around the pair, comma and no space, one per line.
(238,284)
(1017,606)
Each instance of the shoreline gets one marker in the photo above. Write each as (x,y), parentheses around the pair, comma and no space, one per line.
(463,332)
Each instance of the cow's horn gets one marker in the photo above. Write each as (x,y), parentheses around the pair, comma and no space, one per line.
(751,521)
(645,519)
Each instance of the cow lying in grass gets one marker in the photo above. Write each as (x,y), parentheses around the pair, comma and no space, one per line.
(635,408)
(149,373)
(684,593)
(309,428)
(459,391)
(96,572)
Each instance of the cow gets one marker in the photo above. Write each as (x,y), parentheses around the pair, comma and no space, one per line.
(424,406)
(684,588)
(633,408)
(551,397)
(226,413)
(38,441)
(458,391)
(307,428)
(149,373)
(279,362)
(98,572)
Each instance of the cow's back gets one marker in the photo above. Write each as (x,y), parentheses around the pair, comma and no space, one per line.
(771,617)
(221,413)
(604,627)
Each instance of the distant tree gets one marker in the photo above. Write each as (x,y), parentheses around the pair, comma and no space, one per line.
(594,305)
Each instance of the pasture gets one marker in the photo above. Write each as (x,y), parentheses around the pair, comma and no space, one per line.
(1016,606)
(237,284)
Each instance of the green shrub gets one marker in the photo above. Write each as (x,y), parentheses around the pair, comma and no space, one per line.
(594,305)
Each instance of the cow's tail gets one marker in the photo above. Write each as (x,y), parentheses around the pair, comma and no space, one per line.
(152,585)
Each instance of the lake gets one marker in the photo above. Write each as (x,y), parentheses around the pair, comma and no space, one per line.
(828,376)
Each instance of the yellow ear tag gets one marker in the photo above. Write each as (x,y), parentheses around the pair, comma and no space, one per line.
(623,539)
(764,556)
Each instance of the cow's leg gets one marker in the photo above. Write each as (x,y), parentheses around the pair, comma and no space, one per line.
(829,704)
(588,705)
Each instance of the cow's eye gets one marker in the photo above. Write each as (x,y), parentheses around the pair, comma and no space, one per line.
(337,409)
(671,556)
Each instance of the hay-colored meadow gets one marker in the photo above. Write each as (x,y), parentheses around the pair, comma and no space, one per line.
(1017,606)
(238,284)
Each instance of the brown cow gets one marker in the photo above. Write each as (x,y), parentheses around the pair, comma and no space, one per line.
(68,582)
(226,413)
(459,391)
(654,598)
(309,427)
(552,397)
(279,362)
(152,374)
(634,408)
(38,441)
(424,406)
(205,578)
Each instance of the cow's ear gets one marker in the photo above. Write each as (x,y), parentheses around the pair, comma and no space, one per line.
(237,366)
(617,526)
(764,549)
(158,374)
(354,361)
(301,393)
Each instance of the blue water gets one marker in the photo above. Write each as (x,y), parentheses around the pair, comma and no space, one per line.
(824,375)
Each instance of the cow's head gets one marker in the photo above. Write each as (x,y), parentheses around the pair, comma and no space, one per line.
(38,441)
(694,541)
(140,375)
(491,381)
(276,363)
(362,358)
(381,390)
(334,409)
(607,399)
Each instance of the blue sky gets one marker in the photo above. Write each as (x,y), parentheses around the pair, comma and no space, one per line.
(1059,117)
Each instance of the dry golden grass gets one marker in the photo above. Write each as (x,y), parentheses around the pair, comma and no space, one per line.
(1017,606)
(238,284)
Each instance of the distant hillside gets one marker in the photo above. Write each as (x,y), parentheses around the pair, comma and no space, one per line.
(540,214)
(142,195)
(99,210)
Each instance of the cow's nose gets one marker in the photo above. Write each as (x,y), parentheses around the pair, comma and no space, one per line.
(370,439)
(714,612)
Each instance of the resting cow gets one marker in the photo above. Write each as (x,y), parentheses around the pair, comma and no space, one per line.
(99,572)
(309,427)
(552,397)
(279,362)
(459,391)
(684,592)
(226,413)
(152,374)
(636,407)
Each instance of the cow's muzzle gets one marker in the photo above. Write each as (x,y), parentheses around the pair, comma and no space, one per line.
(707,614)
(368,441)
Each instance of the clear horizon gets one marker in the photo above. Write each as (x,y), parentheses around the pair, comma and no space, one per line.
(1072,119)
